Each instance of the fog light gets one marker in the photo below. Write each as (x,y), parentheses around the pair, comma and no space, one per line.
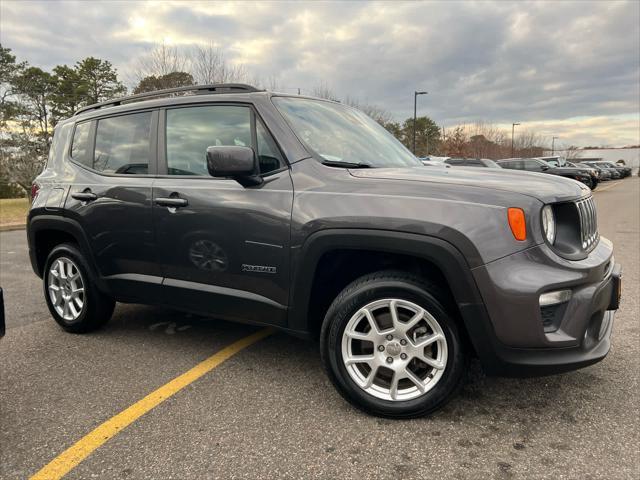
(553,298)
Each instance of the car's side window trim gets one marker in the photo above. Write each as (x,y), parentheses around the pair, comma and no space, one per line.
(153,144)
(162,167)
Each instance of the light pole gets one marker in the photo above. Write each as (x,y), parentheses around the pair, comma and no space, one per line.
(553,145)
(415,107)
(513,127)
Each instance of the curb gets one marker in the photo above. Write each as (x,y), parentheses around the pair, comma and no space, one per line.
(12,226)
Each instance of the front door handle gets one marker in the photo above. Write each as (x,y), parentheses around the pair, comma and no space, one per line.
(86,196)
(172,202)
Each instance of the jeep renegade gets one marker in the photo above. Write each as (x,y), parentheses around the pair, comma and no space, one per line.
(306,215)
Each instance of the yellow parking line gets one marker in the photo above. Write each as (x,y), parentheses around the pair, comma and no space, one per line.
(71,457)
(608,186)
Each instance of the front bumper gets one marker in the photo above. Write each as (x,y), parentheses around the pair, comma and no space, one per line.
(515,343)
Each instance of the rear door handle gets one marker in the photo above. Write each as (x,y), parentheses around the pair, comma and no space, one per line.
(172,202)
(84,196)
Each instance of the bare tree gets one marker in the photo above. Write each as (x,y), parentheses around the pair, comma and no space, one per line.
(270,83)
(322,90)
(21,160)
(208,65)
(529,144)
(161,60)
(572,152)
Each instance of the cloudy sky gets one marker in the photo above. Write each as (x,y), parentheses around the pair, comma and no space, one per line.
(569,69)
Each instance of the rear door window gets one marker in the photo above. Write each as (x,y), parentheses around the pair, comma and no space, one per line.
(123,144)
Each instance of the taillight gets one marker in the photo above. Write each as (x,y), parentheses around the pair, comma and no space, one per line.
(35,188)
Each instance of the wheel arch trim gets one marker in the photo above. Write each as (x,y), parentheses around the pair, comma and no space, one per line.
(41,223)
(442,254)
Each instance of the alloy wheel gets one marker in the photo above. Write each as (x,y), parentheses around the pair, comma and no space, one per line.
(66,288)
(394,349)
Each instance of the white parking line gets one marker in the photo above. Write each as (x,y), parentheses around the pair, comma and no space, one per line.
(608,186)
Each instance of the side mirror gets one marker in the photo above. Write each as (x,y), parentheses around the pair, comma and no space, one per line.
(239,163)
(544,168)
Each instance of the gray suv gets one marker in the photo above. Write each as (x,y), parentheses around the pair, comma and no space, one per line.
(306,215)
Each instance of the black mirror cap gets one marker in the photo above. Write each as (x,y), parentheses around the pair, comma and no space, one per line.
(239,163)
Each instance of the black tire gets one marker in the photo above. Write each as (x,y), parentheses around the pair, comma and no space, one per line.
(97,307)
(400,285)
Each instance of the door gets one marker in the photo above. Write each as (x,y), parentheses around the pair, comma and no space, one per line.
(110,196)
(224,247)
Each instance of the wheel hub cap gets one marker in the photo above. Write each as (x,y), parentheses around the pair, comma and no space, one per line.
(394,349)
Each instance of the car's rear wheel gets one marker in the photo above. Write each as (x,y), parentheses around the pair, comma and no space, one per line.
(391,348)
(73,299)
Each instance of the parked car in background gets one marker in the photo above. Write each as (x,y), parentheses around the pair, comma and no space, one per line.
(621,169)
(432,161)
(612,172)
(536,165)
(472,162)
(595,171)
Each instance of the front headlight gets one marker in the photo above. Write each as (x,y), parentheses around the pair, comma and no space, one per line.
(549,224)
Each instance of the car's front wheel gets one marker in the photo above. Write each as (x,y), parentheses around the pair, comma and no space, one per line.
(73,299)
(391,348)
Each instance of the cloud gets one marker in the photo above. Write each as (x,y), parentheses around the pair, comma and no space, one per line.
(546,65)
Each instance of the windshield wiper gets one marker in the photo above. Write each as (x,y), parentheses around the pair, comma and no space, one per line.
(335,163)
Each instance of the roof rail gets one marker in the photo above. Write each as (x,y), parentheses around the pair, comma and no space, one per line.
(198,89)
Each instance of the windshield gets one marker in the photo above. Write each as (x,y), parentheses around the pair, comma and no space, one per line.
(491,163)
(340,134)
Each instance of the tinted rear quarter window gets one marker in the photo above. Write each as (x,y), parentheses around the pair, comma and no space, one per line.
(80,145)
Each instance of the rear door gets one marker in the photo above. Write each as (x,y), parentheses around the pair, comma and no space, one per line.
(226,249)
(113,159)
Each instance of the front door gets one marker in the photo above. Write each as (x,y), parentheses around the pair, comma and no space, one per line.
(224,248)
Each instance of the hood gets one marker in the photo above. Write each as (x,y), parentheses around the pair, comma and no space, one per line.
(542,186)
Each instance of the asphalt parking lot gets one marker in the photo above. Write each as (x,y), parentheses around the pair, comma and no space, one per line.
(270,412)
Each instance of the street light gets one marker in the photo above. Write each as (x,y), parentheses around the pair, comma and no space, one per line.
(513,127)
(415,106)
(553,145)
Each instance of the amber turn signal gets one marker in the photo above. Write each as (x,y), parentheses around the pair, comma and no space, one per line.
(517,223)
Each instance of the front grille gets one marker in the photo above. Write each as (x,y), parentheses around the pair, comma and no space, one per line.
(588,222)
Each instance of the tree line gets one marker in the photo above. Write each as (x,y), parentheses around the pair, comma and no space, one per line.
(33,101)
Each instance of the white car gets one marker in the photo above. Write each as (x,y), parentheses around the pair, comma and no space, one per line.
(432,161)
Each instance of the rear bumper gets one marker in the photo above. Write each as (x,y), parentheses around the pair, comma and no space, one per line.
(513,341)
